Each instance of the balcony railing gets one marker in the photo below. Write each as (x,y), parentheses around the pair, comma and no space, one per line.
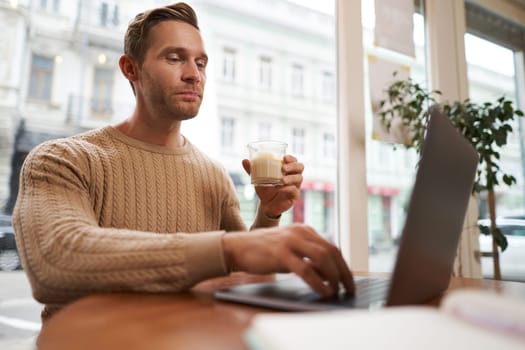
(91,111)
(101,14)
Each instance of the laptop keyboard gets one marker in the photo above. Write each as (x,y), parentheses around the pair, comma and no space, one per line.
(368,291)
(295,294)
(372,286)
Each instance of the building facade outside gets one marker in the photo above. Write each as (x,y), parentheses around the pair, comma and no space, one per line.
(272,75)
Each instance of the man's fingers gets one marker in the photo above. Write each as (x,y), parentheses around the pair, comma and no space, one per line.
(323,260)
(294,180)
(288,158)
(323,257)
(308,274)
(293,168)
(290,192)
(296,248)
(346,275)
(326,258)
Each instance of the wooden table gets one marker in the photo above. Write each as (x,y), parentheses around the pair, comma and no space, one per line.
(192,320)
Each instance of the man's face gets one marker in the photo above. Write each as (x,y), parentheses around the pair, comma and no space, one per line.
(172,76)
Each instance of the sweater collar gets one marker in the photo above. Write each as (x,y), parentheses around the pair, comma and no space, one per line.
(116,134)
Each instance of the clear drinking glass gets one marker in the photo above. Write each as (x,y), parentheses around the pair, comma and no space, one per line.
(266,158)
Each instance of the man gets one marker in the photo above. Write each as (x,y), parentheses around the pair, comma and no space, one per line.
(137,207)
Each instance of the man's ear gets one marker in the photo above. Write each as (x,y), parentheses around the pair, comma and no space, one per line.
(128,67)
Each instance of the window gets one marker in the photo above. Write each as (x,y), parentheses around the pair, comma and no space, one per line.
(109,14)
(265,72)
(489,78)
(116,16)
(298,141)
(53,6)
(227,132)
(389,171)
(329,148)
(297,80)
(265,131)
(104,14)
(228,64)
(328,86)
(41,78)
(102,100)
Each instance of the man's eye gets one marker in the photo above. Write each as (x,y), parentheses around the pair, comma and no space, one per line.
(173,59)
(201,64)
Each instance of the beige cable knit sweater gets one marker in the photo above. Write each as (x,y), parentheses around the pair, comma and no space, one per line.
(103,212)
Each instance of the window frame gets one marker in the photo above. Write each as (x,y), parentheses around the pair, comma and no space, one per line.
(229,64)
(103,85)
(228,143)
(42,76)
(297,79)
(265,72)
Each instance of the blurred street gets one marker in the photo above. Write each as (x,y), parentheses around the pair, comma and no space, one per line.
(19,312)
(382,260)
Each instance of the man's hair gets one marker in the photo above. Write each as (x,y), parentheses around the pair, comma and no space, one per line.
(136,38)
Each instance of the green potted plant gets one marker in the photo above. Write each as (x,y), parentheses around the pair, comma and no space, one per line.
(486,126)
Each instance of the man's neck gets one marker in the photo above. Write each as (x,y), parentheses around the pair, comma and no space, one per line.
(165,134)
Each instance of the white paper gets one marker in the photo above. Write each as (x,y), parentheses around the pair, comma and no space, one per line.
(380,77)
(394,27)
(412,327)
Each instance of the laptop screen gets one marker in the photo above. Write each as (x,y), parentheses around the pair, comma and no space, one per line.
(435,215)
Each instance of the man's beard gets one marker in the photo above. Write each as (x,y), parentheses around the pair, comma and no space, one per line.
(168,106)
(182,110)
(165,104)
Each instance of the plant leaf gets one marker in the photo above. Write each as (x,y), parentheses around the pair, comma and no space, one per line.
(484,229)
(501,240)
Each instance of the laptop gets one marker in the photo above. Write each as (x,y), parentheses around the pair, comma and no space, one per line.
(428,242)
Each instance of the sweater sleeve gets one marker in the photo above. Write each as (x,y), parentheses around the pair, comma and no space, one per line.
(231,219)
(66,254)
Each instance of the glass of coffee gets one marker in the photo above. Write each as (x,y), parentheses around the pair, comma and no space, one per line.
(266,158)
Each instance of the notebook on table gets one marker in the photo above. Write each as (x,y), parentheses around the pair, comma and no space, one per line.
(428,242)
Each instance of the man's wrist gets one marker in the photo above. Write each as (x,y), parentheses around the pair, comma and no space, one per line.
(273,217)
(269,214)
(265,219)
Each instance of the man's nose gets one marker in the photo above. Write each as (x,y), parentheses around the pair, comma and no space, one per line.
(191,72)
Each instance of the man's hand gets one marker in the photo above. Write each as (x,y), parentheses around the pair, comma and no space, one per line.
(275,200)
(295,248)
